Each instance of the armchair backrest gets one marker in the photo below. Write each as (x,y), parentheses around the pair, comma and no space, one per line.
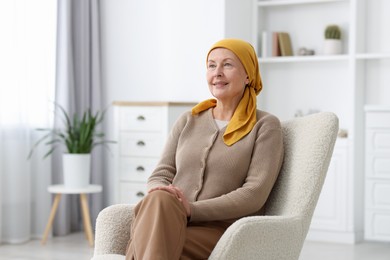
(308,143)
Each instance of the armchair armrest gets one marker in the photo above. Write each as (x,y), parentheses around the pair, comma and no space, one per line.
(262,238)
(259,237)
(113,229)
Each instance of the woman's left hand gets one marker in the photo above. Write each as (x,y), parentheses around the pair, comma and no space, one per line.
(178,194)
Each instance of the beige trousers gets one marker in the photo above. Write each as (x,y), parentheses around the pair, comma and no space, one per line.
(160,231)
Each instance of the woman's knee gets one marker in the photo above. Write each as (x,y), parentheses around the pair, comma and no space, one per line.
(160,195)
(162,198)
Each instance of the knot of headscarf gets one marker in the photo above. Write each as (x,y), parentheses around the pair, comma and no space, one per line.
(244,117)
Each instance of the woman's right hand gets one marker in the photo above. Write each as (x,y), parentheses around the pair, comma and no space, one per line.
(178,194)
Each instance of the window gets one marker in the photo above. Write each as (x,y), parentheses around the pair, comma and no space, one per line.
(27,63)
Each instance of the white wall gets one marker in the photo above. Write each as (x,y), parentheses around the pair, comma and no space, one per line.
(155,50)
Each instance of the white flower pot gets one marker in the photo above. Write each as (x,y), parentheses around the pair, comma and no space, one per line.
(76,169)
(332,46)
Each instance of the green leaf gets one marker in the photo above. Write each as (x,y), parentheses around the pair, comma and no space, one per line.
(78,134)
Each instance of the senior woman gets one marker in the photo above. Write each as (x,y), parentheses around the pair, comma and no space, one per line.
(219,164)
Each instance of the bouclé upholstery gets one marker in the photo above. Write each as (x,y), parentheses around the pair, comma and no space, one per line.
(280,234)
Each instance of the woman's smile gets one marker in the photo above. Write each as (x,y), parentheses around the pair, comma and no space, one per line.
(220,84)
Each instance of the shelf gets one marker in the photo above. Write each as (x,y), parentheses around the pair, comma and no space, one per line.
(344,57)
(313,58)
(294,2)
(372,56)
(377,108)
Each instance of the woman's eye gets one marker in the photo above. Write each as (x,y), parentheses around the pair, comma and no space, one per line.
(227,65)
(212,66)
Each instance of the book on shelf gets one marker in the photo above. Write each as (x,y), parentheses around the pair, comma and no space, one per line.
(281,44)
(285,44)
(266,44)
(275,44)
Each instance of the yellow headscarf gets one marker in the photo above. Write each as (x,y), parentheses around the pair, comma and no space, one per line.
(244,117)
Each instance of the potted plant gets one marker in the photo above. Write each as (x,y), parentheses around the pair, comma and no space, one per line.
(332,44)
(79,136)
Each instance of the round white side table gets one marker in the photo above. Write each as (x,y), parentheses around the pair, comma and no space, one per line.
(58,190)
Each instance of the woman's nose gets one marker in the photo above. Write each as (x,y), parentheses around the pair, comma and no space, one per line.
(218,72)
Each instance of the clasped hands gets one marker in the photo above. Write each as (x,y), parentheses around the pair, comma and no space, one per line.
(178,194)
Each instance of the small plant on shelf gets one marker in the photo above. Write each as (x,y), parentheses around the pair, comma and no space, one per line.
(332,44)
(333,32)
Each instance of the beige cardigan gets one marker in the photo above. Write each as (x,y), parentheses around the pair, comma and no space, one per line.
(221,182)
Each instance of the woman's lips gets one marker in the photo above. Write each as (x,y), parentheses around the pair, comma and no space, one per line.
(220,84)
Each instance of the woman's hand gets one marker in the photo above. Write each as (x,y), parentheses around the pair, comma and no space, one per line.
(178,194)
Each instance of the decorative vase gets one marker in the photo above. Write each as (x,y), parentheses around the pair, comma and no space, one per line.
(76,170)
(332,46)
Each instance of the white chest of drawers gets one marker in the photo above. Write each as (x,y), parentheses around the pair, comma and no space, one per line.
(141,129)
(333,219)
(377,173)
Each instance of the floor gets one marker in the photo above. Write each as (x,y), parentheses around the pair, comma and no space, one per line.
(75,247)
(71,247)
(361,251)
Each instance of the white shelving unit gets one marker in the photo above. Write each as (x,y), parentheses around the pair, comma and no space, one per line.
(373,80)
(377,168)
(343,84)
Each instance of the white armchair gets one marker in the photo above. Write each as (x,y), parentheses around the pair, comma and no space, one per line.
(280,234)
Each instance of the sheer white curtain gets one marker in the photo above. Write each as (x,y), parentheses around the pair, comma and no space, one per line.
(27,85)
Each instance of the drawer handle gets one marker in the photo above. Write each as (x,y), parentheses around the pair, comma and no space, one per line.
(140,194)
(141,118)
(141,143)
(140,169)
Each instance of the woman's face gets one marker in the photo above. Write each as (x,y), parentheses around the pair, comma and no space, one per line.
(226,75)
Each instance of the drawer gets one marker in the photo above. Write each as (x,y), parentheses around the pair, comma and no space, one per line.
(142,119)
(378,194)
(378,119)
(377,225)
(132,193)
(378,166)
(137,169)
(141,144)
(378,141)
